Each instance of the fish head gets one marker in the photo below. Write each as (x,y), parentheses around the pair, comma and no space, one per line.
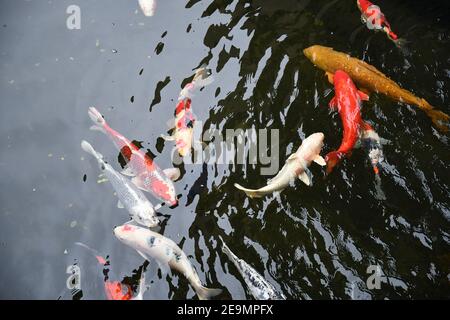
(320,56)
(145,215)
(129,234)
(313,144)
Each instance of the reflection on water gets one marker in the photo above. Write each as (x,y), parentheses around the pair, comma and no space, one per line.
(309,243)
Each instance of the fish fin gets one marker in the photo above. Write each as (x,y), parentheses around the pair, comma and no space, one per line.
(172,173)
(164,267)
(87,147)
(439,118)
(97,118)
(148,8)
(363,96)
(320,160)
(333,103)
(171,123)
(330,77)
(138,183)
(365,90)
(204,293)
(128,171)
(143,255)
(97,128)
(142,287)
(168,138)
(332,159)
(292,157)
(305,178)
(249,192)
(120,205)
(204,82)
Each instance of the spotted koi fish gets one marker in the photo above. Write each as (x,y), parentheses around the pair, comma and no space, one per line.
(152,245)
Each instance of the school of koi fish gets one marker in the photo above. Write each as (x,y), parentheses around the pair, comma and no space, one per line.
(353,81)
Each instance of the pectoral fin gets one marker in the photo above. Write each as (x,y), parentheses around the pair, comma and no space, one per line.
(305,178)
(128,171)
(142,254)
(333,103)
(172,173)
(171,123)
(168,138)
(138,183)
(330,77)
(164,267)
(320,161)
(363,96)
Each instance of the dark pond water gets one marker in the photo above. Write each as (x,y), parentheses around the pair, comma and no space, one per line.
(311,243)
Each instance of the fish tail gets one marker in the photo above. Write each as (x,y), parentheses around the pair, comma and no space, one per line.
(439,118)
(203,76)
(250,192)
(207,293)
(87,147)
(332,159)
(97,118)
(142,287)
(226,250)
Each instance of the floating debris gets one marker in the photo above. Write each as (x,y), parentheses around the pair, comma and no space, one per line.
(73,224)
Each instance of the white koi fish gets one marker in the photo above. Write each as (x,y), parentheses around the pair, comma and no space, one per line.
(150,245)
(296,166)
(259,287)
(130,197)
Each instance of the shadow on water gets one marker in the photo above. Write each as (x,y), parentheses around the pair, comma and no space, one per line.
(309,242)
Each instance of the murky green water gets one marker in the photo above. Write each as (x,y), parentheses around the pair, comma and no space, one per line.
(311,243)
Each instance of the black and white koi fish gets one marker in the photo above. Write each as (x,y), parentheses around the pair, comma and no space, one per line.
(258,286)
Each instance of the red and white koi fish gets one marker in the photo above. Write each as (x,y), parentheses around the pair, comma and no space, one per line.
(347,101)
(148,7)
(114,290)
(184,117)
(372,16)
(146,174)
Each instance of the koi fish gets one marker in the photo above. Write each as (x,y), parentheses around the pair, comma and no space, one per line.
(372,16)
(296,166)
(184,117)
(146,174)
(148,7)
(372,143)
(368,78)
(167,254)
(114,290)
(347,101)
(258,286)
(130,197)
